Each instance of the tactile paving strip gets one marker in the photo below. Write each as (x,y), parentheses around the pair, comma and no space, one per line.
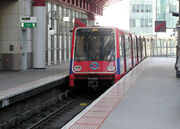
(90,120)
(80,126)
(95,116)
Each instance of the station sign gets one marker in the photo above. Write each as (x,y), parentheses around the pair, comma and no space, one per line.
(160,26)
(31,25)
(27,21)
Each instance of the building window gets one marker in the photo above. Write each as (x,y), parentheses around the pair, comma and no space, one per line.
(142,7)
(132,22)
(171,8)
(150,23)
(146,8)
(133,8)
(146,22)
(150,8)
(138,8)
(142,22)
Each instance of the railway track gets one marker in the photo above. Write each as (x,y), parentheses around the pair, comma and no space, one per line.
(57,112)
(57,115)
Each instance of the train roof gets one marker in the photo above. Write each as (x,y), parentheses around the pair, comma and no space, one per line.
(106,27)
(122,30)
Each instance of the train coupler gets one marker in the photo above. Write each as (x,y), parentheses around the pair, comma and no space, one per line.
(92,82)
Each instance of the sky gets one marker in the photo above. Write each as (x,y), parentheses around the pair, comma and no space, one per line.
(116,15)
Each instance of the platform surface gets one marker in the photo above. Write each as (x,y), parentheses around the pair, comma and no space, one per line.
(17,82)
(152,103)
(147,98)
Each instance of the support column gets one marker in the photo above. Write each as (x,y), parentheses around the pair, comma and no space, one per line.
(177,65)
(39,34)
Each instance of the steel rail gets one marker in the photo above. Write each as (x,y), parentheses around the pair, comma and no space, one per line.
(50,116)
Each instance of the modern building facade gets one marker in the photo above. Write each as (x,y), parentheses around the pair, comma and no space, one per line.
(164,9)
(144,13)
(141,16)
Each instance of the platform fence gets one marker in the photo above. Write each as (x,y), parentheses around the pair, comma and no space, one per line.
(162,47)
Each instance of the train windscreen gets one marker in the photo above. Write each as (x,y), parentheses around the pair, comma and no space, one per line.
(95,44)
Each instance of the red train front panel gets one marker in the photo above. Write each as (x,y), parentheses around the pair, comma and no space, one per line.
(94,54)
(94,66)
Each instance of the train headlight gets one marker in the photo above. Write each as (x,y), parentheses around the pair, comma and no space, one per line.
(78,68)
(111,68)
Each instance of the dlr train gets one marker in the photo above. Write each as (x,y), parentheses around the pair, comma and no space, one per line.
(103,55)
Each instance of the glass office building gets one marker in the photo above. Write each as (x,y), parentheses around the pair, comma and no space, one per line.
(141,16)
(164,9)
(144,13)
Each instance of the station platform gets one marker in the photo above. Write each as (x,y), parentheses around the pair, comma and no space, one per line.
(13,84)
(148,97)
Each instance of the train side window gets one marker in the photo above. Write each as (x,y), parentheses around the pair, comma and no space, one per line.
(134,45)
(127,46)
(121,41)
(129,41)
(127,52)
(121,48)
(134,49)
(140,47)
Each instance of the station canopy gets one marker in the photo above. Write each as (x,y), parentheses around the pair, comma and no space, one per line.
(103,3)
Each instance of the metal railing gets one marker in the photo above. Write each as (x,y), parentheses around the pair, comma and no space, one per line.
(165,47)
(161,47)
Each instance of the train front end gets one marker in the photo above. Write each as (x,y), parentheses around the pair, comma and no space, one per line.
(93,56)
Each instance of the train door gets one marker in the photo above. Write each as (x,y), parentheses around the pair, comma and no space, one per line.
(122,54)
(143,48)
(137,58)
(138,40)
(145,55)
(134,50)
(147,46)
(131,50)
(128,52)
